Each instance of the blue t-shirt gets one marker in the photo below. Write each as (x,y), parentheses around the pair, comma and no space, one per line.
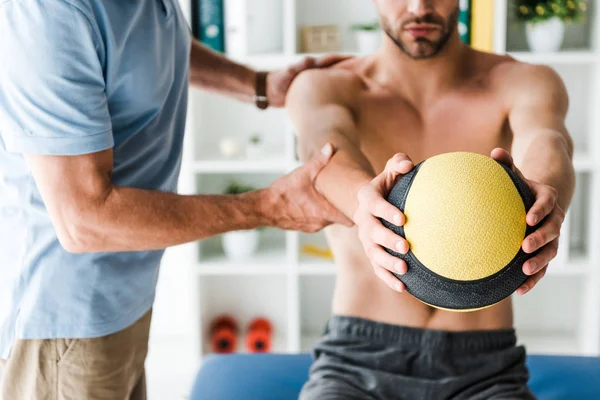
(76,77)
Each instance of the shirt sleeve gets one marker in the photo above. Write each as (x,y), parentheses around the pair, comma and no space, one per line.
(52,86)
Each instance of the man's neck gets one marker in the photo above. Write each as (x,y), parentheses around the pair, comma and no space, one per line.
(422,79)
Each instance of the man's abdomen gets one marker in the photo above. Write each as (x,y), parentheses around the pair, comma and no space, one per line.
(360,293)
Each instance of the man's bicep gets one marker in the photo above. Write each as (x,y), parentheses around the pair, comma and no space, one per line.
(52,88)
(71,186)
(319,116)
(539,110)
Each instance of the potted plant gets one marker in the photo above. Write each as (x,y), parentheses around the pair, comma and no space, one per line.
(545,21)
(254,147)
(368,37)
(239,245)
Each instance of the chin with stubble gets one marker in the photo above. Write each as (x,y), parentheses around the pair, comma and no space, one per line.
(421,37)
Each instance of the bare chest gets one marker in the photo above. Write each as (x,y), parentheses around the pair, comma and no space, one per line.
(456,122)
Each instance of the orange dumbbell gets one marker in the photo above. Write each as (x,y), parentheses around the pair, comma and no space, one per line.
(223,334)
(259,336)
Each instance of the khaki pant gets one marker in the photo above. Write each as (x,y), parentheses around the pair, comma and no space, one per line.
(105,368)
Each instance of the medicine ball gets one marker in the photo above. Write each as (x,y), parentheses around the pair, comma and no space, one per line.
(465,225)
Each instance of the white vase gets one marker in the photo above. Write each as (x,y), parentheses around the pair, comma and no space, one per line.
(240,245)
(368,41)
(546,36)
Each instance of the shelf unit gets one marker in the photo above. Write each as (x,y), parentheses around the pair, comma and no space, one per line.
(294,289)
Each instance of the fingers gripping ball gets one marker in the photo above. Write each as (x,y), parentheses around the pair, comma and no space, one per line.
(224,331)
(465,224)
(259,336)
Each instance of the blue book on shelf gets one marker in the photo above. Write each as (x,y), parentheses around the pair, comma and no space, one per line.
(464,20)
(209,22)
(195,22)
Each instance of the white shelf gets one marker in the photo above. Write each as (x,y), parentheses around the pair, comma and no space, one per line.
(557,343)
(562,57)
(242,166)
(252,268)
(269,260)
(317,268)
(571,269)
(583,163)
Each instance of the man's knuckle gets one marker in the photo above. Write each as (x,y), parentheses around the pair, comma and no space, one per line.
(553,194)
(560,214)
(554,252)
(363,193)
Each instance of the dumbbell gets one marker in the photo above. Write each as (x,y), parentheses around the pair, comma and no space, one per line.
(223,334)
(259,336)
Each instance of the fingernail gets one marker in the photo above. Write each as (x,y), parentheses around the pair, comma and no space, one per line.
(397,220)
(524,289)
(535,219)
(398,267)
(400,247)
(532,267)
(326,150)
(398,287)
(406,164)
(532,243)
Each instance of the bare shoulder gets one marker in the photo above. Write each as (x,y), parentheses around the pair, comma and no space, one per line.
(518,80)
(331,85)
(530,75)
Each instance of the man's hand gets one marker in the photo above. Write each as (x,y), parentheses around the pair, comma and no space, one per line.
(278,82)
(372,205)
(295,204)
(546,212)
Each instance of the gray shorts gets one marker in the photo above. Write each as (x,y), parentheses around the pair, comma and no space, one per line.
(363,359)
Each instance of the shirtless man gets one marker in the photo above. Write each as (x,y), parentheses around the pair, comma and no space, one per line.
(424,93)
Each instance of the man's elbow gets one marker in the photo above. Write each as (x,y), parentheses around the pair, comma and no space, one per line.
(77,233)
(562,140)
(71,246)
(77,240)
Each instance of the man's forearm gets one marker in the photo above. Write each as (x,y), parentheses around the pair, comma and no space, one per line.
(345,174)
(341,181)
(547,159)
(136,220)
(212,71)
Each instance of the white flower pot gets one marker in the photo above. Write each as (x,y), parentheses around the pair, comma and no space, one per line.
(546,36)
(368,41)
(240,245)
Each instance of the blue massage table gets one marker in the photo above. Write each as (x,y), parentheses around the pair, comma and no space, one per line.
(280,377)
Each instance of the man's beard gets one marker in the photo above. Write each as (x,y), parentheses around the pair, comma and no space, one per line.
(426,48)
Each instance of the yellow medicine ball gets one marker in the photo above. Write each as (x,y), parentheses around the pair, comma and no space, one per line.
(465,224)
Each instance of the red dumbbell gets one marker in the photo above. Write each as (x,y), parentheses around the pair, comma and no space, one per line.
(223,334)
(259,336)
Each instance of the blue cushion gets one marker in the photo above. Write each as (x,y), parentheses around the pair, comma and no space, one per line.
(280,377)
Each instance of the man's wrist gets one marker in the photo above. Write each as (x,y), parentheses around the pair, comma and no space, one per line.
(262,204)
